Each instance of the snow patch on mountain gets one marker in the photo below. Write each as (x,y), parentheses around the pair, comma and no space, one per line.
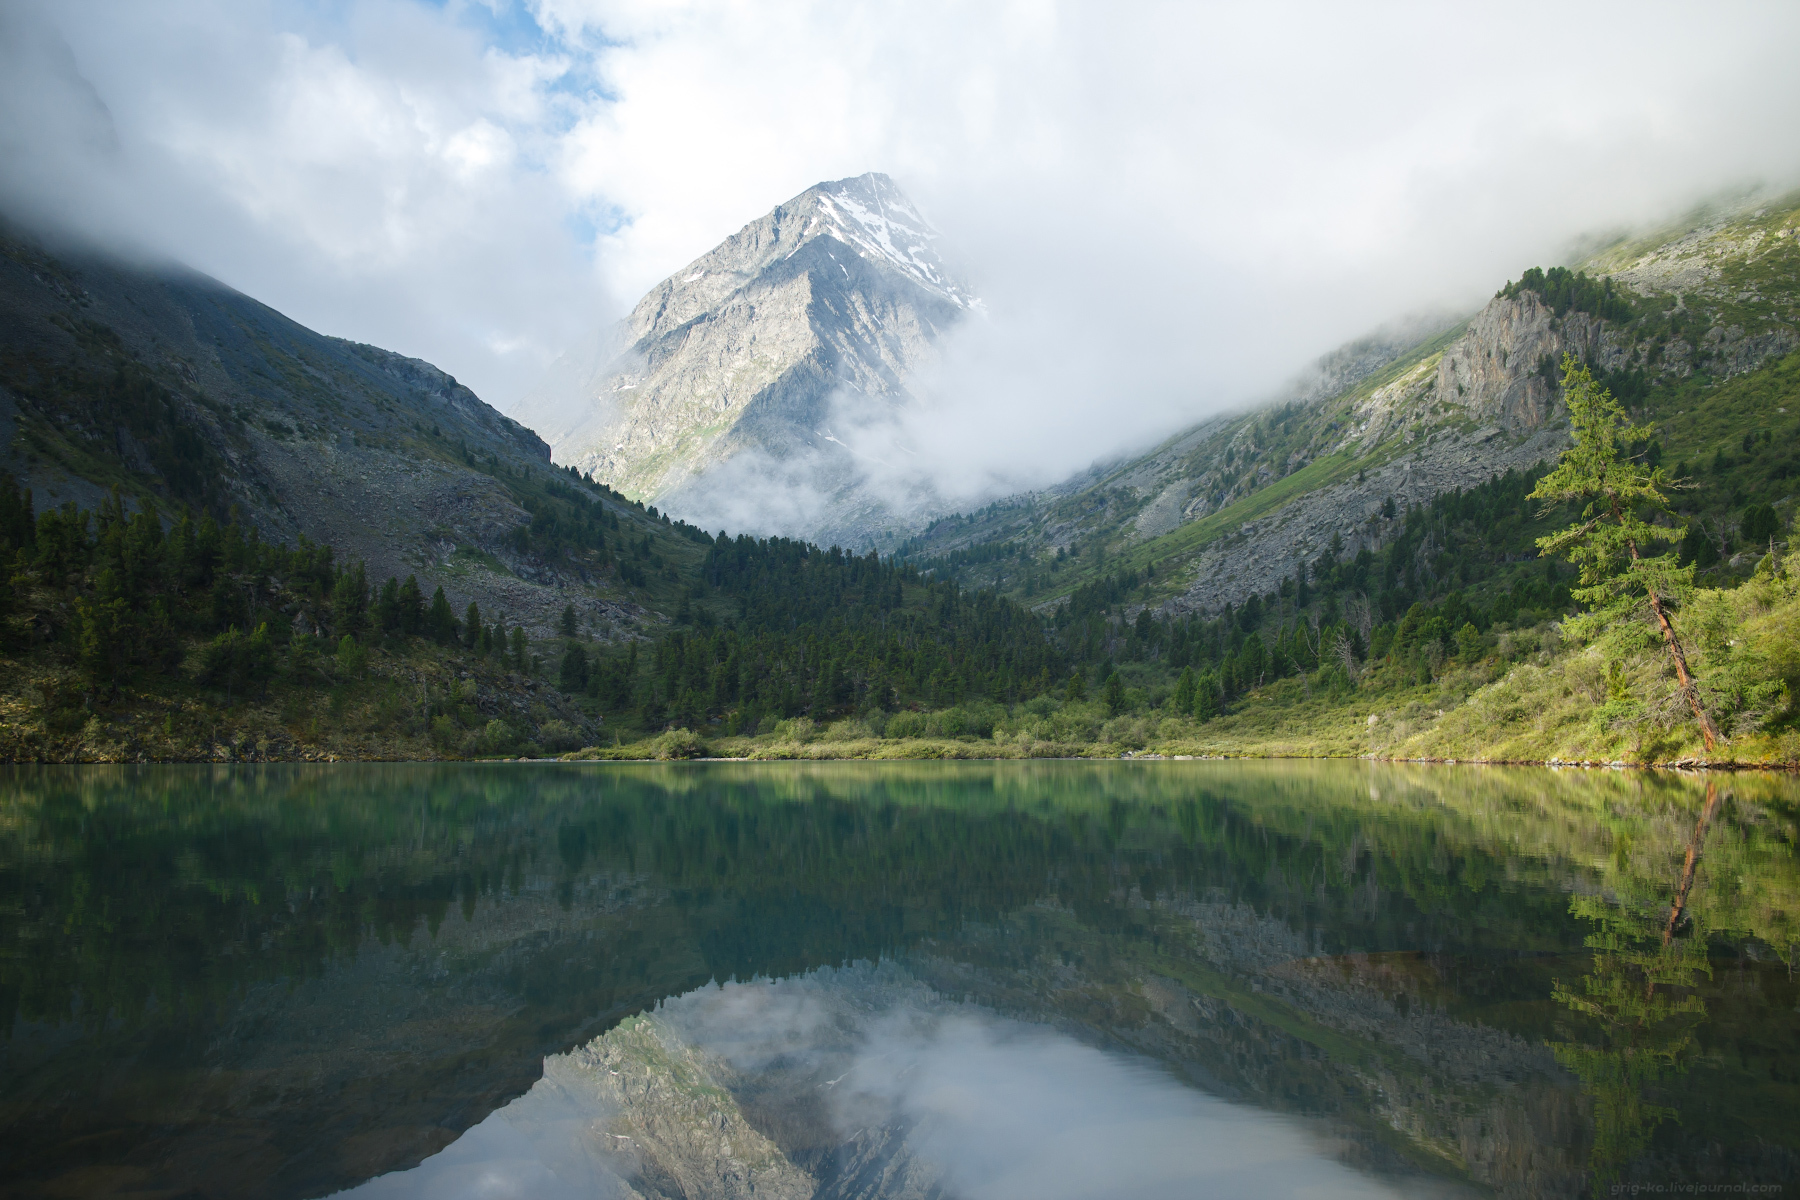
(870,214)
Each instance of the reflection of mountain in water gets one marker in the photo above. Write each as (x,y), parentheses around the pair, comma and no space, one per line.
(284,981)
(863,1083)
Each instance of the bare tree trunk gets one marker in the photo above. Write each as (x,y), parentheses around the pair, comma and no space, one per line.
(1709,730)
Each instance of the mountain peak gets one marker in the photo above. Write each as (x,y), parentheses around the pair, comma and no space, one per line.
(867,214)
(816,313)
(872,215)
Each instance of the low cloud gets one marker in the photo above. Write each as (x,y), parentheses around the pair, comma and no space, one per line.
(1169,209)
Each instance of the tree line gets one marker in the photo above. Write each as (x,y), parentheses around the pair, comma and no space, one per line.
(822,632)
(123,594)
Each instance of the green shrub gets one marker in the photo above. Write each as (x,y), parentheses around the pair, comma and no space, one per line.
(557,736)
(497,738)
(948,722)
(446,734)
(680,744)
(352,659)
(906,724)
(796,729)
(851,730)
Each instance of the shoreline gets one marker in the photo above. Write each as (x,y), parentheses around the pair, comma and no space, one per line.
(580,757)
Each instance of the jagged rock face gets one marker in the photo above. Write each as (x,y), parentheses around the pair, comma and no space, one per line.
(1493,370)
(836,296)
(1492,375)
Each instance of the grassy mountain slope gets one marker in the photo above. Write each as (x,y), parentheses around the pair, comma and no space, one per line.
(1224,510)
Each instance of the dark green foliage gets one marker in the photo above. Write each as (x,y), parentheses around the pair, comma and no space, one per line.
(235,662)
(573,677)
(1564,290)
(1698,547)
(1186,688)
(114,594)
(1076,688)
(566,625)
(1458,562)
(1759,524)
(440,623)
(411,609)
(824,633)
(1207,696)
(350,600)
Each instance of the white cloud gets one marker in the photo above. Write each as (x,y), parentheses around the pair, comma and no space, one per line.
(1168,207)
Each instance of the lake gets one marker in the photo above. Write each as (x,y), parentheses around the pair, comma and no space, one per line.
(895,980)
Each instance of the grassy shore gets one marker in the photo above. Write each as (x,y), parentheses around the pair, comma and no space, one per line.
(1470,716)
(1523,695)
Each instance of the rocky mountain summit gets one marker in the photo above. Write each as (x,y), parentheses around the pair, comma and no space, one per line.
(768,349)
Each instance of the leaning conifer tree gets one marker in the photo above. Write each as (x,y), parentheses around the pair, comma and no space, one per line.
(1623,588)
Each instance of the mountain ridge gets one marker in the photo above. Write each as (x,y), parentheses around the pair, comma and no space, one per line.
(1233,505)
(179,390)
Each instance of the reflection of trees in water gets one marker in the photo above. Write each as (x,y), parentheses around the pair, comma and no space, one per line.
(1639,996)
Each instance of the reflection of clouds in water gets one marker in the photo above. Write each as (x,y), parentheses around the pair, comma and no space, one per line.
(916,1090)
(549,1144)
(1006,1109)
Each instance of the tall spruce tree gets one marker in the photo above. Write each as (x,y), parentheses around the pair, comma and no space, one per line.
(441,623)
(1623,588)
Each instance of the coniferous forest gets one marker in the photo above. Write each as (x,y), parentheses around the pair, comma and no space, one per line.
(162,624)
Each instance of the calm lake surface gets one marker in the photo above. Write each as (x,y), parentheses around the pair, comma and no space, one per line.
(895,980)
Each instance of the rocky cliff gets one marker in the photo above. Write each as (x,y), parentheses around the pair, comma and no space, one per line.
(801,325)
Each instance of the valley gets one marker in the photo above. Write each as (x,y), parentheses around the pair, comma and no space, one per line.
(1351,570)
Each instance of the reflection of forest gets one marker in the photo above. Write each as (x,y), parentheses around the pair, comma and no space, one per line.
(356,963)
(1642,1002)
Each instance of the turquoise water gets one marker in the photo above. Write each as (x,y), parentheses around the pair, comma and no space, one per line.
(858,979)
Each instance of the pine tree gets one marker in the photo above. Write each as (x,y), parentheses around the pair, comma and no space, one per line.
(104,632)
(573,677)
(1183,699)
(1621,585)
(472,628)
(350,599)
(387,607)
(441,624)
(1114,694)
(568,625)
(1207,696)
(412,606)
